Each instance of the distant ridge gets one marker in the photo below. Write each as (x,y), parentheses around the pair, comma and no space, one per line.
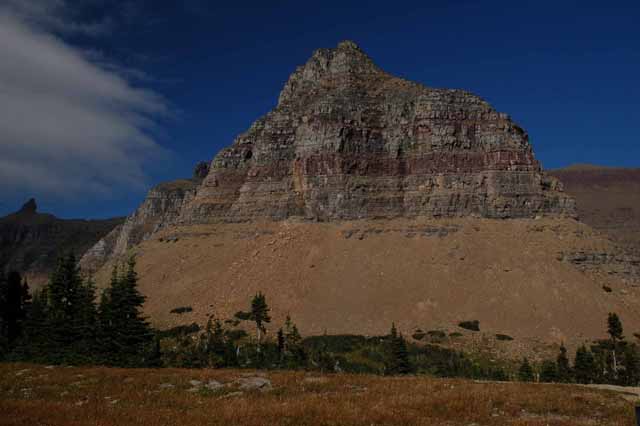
(31,241)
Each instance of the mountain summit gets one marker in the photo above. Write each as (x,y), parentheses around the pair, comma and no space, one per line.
(350,141)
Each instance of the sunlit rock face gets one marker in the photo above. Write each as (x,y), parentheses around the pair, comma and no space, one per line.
(349,141)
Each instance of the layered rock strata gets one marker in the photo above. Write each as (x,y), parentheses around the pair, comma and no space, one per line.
(349,141)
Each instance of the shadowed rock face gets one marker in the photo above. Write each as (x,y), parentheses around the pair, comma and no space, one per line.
(608,199)
(160,208)
(349,141)
(30,242)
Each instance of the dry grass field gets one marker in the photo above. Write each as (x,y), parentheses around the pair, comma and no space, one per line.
(37,395)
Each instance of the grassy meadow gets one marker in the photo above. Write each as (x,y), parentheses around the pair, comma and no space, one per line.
(46,395)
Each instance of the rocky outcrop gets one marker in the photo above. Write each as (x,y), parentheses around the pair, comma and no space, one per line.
(608,199)
(349,141)
(618,262)
(30,242)
(161,207)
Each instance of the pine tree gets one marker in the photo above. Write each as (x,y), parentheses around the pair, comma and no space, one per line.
(4,339)
(281,344)
(259,314)
(127,336)
(398,360)
(525,372)
(70,304)
(293,351)
(549,372)
(631,366)
(614,328)
(35,343)
(584,365)
(563,366)
(14,302)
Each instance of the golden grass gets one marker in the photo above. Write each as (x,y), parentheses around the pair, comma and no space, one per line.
(105,397)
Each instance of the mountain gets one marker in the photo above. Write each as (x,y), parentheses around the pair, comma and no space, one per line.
(608,199)
(30,241)
(349,141)
(363,199)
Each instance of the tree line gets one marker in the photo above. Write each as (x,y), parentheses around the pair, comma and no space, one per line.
(67,323)
(611,361)
(63,323)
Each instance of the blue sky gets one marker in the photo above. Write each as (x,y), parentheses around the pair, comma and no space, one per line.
(179,80)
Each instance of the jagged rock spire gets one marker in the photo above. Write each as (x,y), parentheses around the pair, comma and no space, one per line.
(329,67)
(30,207)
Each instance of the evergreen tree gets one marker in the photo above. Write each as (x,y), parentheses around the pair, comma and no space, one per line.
(259,314)
(70,313)
(281,344)
(398,360)
(549,372)
(127,338)
(293,352)
(584,366)
(631,366)
(614,328)
(35,343)
(525,372)
(14,298)
(4,338)
(563,366)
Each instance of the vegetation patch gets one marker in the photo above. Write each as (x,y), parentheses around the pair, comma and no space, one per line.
(418,334)
(504,337)
(473,325)
(437,336)
(182,310)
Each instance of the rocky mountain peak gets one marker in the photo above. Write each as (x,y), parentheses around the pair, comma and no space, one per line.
(30,207)
(330,68)
(348,141)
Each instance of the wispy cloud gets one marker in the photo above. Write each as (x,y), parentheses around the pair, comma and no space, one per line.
(70,124)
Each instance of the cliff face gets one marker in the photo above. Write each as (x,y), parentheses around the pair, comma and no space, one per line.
(160,208)
(30,242)
(349,141)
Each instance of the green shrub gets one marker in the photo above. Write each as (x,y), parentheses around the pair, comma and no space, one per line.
(437,336)
(418,334)
(504,337)
(181,330)
(473,325)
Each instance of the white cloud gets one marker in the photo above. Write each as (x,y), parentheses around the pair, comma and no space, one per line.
(69,126)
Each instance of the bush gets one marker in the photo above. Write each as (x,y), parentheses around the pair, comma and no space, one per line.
(437,336)
(473,325)
(607,289)
(418,334)
(182,310)
(455,335)
(181,330)
(340,343)
(504,337)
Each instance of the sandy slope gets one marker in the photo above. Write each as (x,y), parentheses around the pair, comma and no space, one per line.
(358,277)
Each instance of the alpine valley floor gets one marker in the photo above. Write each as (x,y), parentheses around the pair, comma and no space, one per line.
(38,395)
